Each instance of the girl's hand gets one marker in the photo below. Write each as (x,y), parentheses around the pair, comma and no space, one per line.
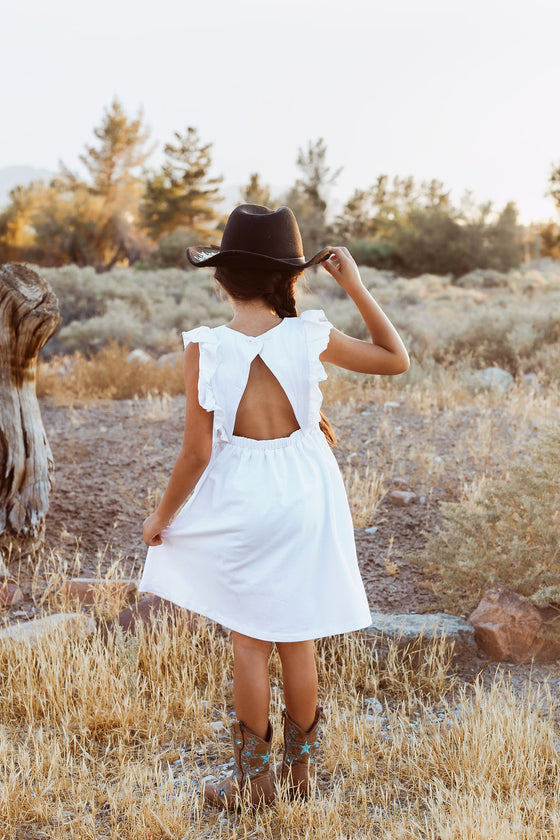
(152,528)
(342,267)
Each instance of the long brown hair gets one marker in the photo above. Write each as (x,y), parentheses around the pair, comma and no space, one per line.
(277,288)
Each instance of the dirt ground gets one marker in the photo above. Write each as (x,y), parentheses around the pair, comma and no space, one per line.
(113,458)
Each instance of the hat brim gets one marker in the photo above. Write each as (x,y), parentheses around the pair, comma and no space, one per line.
(208,255)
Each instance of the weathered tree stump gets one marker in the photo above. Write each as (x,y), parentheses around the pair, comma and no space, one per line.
(29,316)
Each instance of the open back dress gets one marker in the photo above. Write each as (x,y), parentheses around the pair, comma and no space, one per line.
(265,544)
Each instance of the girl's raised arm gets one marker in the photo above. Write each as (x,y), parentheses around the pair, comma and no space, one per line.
(387,354)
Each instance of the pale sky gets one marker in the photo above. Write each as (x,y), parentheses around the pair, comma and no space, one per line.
(464,92)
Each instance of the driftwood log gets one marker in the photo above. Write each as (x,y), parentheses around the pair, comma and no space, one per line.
(29,316)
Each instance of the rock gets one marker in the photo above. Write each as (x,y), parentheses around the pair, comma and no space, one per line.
(392,404)
(372,530)
(492,379)
(150,611)
(532,380)
(75,624)
(170,359)
(509,628)
(10,593)
(401,497)
(372,704)
(482,278)
(420,630)
(93,590)
(138,355)
(4,571)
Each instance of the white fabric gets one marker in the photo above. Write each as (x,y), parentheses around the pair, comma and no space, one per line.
(265,544)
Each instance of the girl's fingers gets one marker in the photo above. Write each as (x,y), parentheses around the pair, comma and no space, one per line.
(329,266)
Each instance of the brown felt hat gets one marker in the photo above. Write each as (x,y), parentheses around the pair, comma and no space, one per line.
(256,236)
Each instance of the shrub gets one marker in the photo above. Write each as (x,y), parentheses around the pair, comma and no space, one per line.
(513,325)
(504,531)
(107,375)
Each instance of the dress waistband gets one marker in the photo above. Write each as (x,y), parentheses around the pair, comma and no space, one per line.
(296,437)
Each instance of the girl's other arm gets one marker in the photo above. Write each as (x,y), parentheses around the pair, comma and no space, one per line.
(192,459)
(387,354)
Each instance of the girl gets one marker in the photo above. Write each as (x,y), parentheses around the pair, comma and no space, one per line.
(265,544)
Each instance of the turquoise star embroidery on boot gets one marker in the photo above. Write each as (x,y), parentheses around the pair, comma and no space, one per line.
(305,748)
(266,758)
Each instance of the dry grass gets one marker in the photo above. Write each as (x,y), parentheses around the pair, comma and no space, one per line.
(504,530)
(113,741)
(107,375)
(366,490)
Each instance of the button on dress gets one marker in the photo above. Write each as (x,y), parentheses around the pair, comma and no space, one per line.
(265,544)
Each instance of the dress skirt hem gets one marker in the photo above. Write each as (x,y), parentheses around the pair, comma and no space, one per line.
(247,631)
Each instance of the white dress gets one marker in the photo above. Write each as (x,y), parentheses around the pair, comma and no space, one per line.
(265,544)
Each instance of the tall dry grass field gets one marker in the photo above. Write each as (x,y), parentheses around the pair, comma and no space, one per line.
(113,740)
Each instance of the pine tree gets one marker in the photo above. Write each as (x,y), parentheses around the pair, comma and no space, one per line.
(504,241)
(94,221)
(255,192)
(182,194)
(114,166)
(308,197)
(554,185)
(356,221)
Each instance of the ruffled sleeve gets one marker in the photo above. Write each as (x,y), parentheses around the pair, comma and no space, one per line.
(317,330)
(208,362)
(317,333)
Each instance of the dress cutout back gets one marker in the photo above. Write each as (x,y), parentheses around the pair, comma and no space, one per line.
(264,411)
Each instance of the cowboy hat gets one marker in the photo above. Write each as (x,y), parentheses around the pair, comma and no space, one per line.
(256,236)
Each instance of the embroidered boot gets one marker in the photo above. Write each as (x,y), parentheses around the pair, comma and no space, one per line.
(252,771)
(299,754)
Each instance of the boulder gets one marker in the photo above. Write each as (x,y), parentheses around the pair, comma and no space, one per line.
(140,356)
(94,590)
(170,359)
(401,497)
(75,624)
(509,628)
(10,594)
(492,379)
(419,630)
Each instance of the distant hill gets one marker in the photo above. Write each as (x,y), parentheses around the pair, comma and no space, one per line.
(12,176)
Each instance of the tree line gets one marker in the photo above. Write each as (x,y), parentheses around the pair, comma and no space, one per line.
(123,213)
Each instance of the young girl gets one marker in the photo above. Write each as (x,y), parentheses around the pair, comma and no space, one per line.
(265,544)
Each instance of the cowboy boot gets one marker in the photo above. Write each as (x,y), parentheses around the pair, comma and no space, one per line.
(300,747)
(252,770)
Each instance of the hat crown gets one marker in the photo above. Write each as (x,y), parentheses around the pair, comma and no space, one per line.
(259,230)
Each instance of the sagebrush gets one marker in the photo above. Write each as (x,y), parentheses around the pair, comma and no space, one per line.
(508,320)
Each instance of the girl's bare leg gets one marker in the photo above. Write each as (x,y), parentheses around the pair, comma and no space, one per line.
(299,673)
(251,684)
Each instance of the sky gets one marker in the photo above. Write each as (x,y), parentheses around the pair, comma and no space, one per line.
(463,92)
